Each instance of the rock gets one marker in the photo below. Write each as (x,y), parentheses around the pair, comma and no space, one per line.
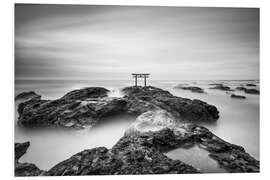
(20,149)
(24,96)
(85,93)
(241,88)
(222,87)
(216,84)
(76,109)
(141,151)
(248,91)
(24,169)
(238,96)
(252,91)
(152,98)
(191,88)
(251,84)
(85,107)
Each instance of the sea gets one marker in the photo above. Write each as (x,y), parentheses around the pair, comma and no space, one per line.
(239,121)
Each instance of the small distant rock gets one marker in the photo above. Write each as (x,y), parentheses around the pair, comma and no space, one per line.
(251,85)
(191,88)
(238,96)
(241,88)
(252,91)
(222,87)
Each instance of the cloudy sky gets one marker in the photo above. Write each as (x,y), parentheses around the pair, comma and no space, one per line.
(111,42)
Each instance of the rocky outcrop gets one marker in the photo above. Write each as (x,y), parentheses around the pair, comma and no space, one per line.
(85,107)
(221,87)
(152,98)
(24,169)
(141,150)
(24,96)
(190,88)
(238,96)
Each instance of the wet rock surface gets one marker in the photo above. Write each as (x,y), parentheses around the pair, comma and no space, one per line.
(190,88)
(85,107)
(24,169)
(27,95)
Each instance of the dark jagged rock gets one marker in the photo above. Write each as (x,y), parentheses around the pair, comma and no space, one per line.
(191,88)
(152,98)
(252,91)
(27,95)
(85,107)
(24,169)
(222,87)
(251,84)
(20,149)
(238,96)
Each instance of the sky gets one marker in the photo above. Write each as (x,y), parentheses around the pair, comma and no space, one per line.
(111,42)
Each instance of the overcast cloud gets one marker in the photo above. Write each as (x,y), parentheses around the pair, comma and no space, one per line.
(111,42)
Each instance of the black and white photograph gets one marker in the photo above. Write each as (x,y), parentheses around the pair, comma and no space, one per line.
(135,89)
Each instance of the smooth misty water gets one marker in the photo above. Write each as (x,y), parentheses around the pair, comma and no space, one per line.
(238,122)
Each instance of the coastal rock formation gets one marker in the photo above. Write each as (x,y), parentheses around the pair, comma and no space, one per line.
(238,96)
(221,87)
(85,107)
(141,151)
(24,169)
(191,88)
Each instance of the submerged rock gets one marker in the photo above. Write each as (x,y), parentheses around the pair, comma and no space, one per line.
(238,96)
(191,88)
(85,107)
(249,84)
(252,91)
(222,87)
(248,91)
(24,169)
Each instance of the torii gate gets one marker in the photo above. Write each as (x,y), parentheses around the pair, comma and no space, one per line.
(136,76)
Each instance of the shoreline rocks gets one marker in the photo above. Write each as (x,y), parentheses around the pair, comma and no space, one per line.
(24,169)
(85,107)
(141,151)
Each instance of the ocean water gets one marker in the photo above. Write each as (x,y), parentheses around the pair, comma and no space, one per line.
(238,122)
